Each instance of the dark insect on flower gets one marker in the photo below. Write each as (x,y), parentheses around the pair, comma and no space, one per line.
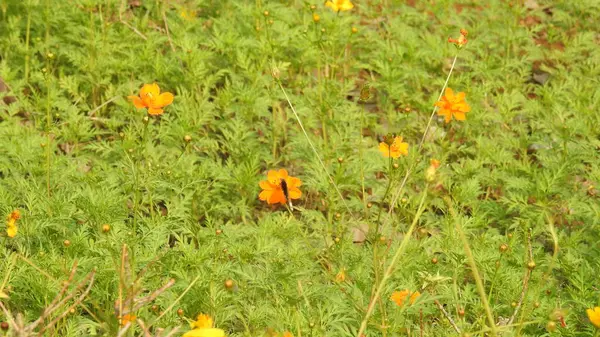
(286,193)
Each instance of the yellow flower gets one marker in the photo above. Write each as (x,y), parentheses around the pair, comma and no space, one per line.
(339,5)
(288,334)
(594,316)
(202,321)
(400,296)
(188,14)
(206,332)
(395,150)
(203,327)
(11,223)
(341,276)
(453,105)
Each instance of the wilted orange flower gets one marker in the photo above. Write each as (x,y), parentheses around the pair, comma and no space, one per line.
(11,223)
(151,98)
(395,150)
(202,327)
(462,39)
(340,276)
(280,187)
(594,316)
(400,296)
(340,5)
(430,172)
(453,105)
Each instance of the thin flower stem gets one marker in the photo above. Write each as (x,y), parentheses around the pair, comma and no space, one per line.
(473,266)
(410,169)
(439,97)
(525,281)
(448,317)
(27,35)
(387,189)
(392,265)
(314,149)
(360,156)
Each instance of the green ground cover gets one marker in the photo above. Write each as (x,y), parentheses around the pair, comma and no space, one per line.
(133,222)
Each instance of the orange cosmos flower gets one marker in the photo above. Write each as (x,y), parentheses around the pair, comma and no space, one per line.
(453,105)
(396,149)
(151,98)
(280,188)
(339,5)
(400,296)
(11,223)
(127,318)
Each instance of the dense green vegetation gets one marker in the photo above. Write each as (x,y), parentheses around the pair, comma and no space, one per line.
(505,230)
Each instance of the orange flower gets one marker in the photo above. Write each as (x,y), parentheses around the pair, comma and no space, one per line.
(280,188)
(400,296)
(11,223)
(453,105)
(127,318)
(151,98)
(395,150)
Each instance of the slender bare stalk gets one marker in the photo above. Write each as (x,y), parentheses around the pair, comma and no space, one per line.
(392,265)
(525,279)
(448,317)
(473,266)
(314,149)
(174,302)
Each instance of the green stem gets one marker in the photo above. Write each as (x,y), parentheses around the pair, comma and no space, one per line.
(473,266)
(392,265)
(27,34)
(387,188)
(360,156)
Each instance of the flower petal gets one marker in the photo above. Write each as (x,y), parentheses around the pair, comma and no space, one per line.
(385,149)
(403,148)
(276,197)
(273,177)
(449,94)
(332,5)
(293,182)
(460,116)
(283,173)
(151,89)
(205,332)
(346,6)
(266,185)
(460,96)
(295,193)
(137,101)
(155,111)
(11,231)
(163,99)
(265,195)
